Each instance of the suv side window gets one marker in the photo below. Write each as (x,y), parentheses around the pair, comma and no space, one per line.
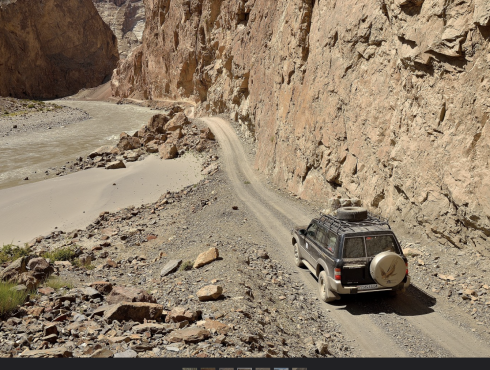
(331,242)
(311,232)
(320,236)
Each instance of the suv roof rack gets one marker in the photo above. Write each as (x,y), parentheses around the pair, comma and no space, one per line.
(341,225)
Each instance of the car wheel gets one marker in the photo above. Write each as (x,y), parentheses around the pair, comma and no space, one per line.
(297,256)
(325,293)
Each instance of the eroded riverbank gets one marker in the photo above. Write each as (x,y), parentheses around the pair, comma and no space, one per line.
(30,154)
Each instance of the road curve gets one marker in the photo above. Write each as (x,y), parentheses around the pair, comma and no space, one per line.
(372,320)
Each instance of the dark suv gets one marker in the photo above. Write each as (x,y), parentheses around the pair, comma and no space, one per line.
(352,252)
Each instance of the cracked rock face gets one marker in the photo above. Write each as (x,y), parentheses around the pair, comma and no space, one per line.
(53,48)
(126,19)
(386,102)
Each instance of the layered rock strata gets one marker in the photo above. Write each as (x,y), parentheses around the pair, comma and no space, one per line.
(53,48)
(126,19)
(386,101)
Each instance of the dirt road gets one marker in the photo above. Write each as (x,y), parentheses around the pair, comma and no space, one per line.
(380,326)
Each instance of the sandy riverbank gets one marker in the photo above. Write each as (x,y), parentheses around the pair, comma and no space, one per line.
(73,201)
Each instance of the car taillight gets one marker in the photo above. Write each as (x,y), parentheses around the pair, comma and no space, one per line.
(338,274)
(406,271)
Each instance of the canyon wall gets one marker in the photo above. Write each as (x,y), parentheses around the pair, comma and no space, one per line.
(53,48)
(126,18)
(384,100)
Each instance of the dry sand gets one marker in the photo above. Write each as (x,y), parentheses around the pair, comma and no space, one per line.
(73,201)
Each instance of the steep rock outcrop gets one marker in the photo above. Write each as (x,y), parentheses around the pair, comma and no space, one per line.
(387,101)
(53,48)
(126,19)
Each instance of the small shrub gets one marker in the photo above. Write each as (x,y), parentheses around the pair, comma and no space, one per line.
(62,254)
(31,106)
(10,299)
(11,252)
(186,266)
(77,263)
(246,182)
(56,283)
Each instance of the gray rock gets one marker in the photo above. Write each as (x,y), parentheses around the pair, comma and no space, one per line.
(126,354)
(91,292)
(170,267)
(19,288)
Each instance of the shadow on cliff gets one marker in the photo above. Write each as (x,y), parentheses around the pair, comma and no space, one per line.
(413,302)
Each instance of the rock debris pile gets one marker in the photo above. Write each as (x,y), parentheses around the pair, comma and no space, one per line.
(169,135)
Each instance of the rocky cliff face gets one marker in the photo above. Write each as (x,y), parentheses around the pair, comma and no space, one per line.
(53,48)
(384,100)
(126,19)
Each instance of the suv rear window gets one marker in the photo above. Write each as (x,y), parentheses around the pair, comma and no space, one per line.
(380,243)
(354,247)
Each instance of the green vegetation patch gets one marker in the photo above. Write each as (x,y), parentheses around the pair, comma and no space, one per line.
(11,252)
(186,266)
(61,254)
(57,282)
(10,299)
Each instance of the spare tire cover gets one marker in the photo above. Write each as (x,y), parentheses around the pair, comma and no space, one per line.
(352,213)
(388,269)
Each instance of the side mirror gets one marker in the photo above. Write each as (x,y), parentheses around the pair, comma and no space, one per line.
(302,232)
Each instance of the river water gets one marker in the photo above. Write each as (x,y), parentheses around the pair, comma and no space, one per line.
(30,154)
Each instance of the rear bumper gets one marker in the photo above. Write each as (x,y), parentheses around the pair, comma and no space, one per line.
(337,287)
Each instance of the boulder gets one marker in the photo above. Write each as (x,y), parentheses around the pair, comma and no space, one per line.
(153,328)
(137,311)
(181,314)
(102,353)
(115,165)
(102,287)
(50,329)
(170,267)
(168,151)
(128,143)
(128,294)
(126,354)
(47,353)
(46,290)
(207,134)
(209,293)
(411,252)
(103,150)
(132,157)
(91,292)
(152,146)
(19,288)
(29,280)
(40,268)
(188,335)
(216,326)
(206,257)
(14,270)
(178,122)
(157,123)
